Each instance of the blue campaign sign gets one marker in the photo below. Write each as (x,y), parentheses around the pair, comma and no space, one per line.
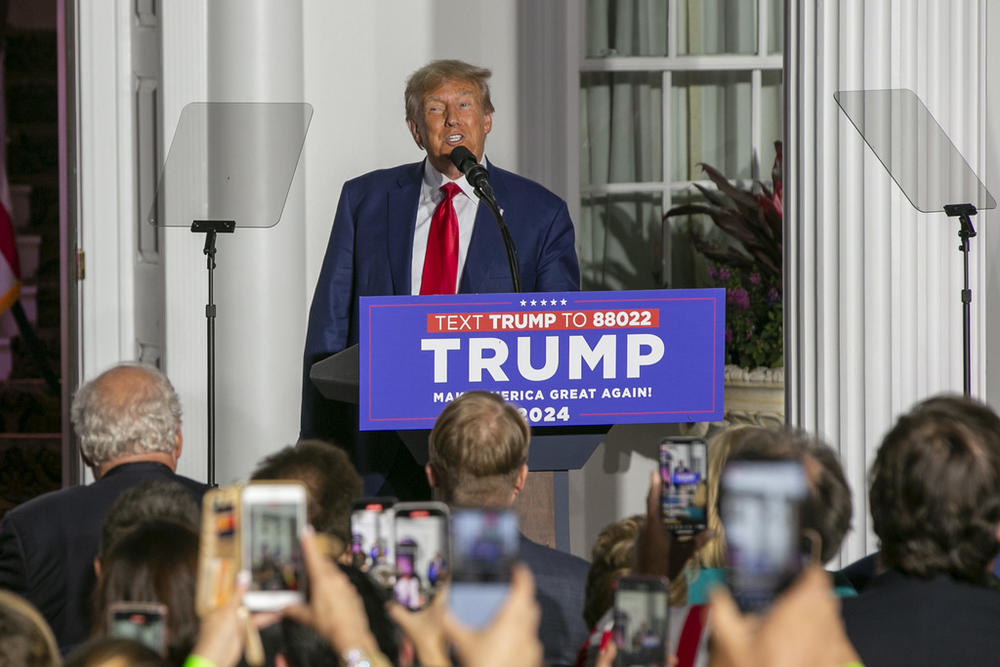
(567,358)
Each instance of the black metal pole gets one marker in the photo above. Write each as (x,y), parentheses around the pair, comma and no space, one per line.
(210,320)
(965,232)
(508,242)
(210,228)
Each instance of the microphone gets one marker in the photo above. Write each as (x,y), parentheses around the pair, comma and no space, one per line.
(466,162)
(463,158)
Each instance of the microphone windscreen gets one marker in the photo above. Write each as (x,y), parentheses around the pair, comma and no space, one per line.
(463,158)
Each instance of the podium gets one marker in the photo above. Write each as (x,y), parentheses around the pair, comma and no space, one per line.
(574,364)
(554,450)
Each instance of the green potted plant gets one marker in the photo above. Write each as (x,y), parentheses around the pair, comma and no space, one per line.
(748,266)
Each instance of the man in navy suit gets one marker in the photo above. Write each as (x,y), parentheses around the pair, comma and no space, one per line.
(128,420)
(385,241)
(478,453)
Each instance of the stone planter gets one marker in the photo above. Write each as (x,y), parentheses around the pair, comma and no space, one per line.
(755,397)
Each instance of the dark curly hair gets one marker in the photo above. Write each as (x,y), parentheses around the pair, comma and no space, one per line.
(330,479)
(827,508)
(935,490)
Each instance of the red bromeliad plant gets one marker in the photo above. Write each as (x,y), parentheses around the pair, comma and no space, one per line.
(749,267)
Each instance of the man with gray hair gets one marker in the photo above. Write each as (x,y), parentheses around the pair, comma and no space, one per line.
(128,421)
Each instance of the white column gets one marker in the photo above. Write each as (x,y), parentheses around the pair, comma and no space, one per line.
(872,285)
(185,81)
(254,50)
(106,197)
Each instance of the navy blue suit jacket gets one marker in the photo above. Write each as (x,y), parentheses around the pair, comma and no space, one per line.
(48,544)
(560,579)
(904,621)
(371,248)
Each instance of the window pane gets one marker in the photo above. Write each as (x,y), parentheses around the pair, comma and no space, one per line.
(771,126)
(711,123)
(710,27)
(621,240)
(776,26)
(688,267)
(626,28)
(621,122)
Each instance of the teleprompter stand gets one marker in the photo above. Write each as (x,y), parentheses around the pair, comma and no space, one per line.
(965,232)
(230,164)
(210,228)
(927,167)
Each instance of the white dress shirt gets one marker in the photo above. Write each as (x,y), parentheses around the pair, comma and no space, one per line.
(466,203)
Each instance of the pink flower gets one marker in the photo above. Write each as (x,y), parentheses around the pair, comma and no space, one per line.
(755,278)
(739,297)
(772,296)
(723,274)
(729,335)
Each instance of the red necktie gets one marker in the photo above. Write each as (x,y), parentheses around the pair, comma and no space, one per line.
(441,258)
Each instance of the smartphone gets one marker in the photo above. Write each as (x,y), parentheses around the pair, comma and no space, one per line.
(760,506)
(144,622)
(373,540)
(484,547)
(273,518)
(684,484)
(421,534)
(641,617)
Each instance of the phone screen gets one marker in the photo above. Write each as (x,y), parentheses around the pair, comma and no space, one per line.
(421,533)
(641,616)
(277,555)
(684,484)
(273,519)
(484,547)
(144,623)
(760,507)
(372,538)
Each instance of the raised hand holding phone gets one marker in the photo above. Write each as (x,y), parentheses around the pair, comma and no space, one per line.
(422,551)
(484,546)
(274,518)
(641,616)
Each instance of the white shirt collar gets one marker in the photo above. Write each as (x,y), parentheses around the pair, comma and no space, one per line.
(434,179)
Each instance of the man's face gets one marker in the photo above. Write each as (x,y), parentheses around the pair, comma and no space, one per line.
(452,115)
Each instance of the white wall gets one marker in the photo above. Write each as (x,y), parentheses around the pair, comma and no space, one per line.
(356,58)
(874,319)
(990,239)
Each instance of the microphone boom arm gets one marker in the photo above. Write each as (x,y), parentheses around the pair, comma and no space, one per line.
(486,195)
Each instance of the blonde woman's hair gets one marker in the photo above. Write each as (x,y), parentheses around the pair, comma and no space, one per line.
(25,637)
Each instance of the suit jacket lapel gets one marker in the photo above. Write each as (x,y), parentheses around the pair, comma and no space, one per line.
(486,246)
(401,218)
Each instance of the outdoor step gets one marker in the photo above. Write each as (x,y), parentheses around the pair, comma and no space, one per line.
(28,247)
(20,204)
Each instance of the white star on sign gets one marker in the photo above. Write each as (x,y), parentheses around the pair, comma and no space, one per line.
(534,303)
(544,302)
(523,302)
(563,302)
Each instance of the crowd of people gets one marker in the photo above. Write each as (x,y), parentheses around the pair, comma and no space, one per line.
(132,543)
(929,596)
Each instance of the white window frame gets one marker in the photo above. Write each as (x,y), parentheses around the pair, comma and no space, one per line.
(756,63)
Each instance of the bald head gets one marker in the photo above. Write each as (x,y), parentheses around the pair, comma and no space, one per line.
(129,410)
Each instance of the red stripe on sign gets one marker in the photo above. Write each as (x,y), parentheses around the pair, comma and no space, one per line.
(544,320)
